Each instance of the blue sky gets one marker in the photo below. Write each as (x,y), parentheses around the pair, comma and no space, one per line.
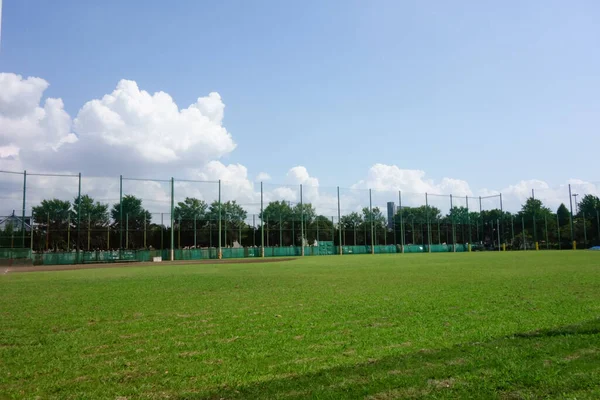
(492,93)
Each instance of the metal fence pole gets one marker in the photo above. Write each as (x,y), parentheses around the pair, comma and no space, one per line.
(401,220)
(371,218)
(301,224)
(78,217)
(498,227)
(220,250)
(172,219)
(427,217)
(469,223)
(24,205)
(120,212)
(502,221)
(571,219)
(481,219)
(262,224)
(535,241)
(339,222)
(453,227)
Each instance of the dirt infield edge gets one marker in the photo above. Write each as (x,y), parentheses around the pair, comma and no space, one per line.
(72,267)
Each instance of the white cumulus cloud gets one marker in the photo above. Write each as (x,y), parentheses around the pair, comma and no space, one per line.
(29,126)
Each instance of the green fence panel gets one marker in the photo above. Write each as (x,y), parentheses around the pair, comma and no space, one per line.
(252,252)
(11,253)
(356,249)
(233,253)
(385,249)
(414,248)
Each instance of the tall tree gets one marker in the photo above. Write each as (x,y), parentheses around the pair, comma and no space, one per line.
(375,215)
(53,217)
(189,210)
(564,216)
(231,213)
(534,207)
(94,214)
(276,211)
(351,221)
(134,215)
(589,205)
(55,211)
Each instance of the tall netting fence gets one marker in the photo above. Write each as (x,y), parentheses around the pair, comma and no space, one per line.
(129,218)
(141,219)
(240,210)
(491,222)
(52,203)
(99,202)
(196,215)
(283,216)
(586,213)
(355,222)
(15,219)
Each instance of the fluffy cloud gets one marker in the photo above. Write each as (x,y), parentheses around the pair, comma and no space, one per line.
(28,126)
(152,129)
(382,177)
(128,131)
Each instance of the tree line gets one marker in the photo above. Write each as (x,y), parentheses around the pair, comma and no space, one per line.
(88,224)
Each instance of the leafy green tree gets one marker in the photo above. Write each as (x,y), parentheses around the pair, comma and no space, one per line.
(375,215)
(52,216)
(231,213)
(325,228)
(233,218)
(351,221)
(93,214)
(564,216)
(276,211)
(589,205)
(189,210)
(134,215)
(350,227)
(534,207)
(309,213)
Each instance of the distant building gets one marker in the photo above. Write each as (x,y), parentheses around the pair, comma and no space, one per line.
(14,221)
(391,211)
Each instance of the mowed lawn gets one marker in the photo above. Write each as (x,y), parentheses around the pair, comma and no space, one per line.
(479,325)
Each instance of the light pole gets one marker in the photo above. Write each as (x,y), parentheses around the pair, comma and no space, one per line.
(575,195)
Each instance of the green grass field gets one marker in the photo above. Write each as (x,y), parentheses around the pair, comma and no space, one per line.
(480,325)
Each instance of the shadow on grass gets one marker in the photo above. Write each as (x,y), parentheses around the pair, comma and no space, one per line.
(553,362)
